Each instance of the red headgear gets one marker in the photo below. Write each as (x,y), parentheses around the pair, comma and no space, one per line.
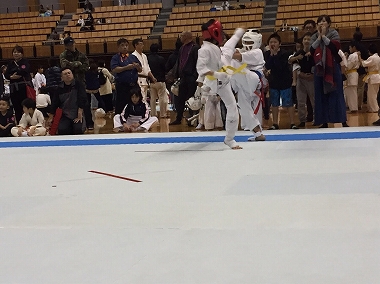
(214,31)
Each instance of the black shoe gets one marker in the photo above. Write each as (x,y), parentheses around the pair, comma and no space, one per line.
(175,122)
(274,127)
(344,124)
(293,126)
(324,125)
(376,123)
(302,124)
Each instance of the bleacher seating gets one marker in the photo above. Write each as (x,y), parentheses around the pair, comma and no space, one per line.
(120,21)
(131,21)
(345,14)
(191,18)
(26,28)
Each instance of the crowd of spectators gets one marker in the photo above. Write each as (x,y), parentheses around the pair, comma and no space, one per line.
(323,84)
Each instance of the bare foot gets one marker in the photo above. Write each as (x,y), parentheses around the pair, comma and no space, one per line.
(232,144)
(237,147)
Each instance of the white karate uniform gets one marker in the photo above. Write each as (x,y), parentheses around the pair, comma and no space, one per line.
(373,80)
(247,83)
(209,59)
(42,100)
(27,123)
(39,81)
(351,90)
(143,82)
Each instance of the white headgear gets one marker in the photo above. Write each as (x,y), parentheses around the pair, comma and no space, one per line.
(252,39)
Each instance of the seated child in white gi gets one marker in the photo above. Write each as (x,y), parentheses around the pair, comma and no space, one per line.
(32,121)
(43,101)
(135,116)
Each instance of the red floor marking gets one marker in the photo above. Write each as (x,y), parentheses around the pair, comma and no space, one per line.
(115,176)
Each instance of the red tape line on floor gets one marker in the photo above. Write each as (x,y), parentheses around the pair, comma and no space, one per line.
(114,176)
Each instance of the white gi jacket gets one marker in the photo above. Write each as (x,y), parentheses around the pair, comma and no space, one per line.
(145,68)
(39,81)
(352,64)
(36,120)
(373,65)
(42,100)
(107,87)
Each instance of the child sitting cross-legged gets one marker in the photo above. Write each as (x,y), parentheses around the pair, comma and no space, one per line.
(135,115)
(7,120)
(32,121)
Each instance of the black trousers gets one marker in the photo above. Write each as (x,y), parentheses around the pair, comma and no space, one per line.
(17,96)
(7,131)
(186,90)
(108,104)
(67,126)
(266,108)
(123,96)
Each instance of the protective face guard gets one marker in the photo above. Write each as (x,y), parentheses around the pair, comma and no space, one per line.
(252,39)
(214,31)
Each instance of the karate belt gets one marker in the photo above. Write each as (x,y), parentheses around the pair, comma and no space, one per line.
(370,73)
(351,71)
(226,68)
(259,94)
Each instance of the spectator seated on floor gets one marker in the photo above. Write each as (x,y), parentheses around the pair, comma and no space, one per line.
(7,120)
(67,107)
(43,101)
(32,121)
(135,116)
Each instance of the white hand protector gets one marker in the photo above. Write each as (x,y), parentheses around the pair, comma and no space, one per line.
(194,102)
(209,86)
(198,92)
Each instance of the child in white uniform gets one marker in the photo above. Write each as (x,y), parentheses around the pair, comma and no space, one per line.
(209,62)
(249,82)
(372,77)
(351,90)
(32,121)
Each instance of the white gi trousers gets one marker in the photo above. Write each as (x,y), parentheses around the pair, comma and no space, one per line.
(247,86)
(372,105)
(209,58)
(38,131)
(158,89)
(135,119)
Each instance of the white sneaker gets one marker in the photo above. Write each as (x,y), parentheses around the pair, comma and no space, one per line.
(199,126)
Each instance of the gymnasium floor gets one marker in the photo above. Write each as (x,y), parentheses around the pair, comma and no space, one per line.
(302,207)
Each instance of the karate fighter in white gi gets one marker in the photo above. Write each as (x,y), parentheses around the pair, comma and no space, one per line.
(250,81)
(209,62)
